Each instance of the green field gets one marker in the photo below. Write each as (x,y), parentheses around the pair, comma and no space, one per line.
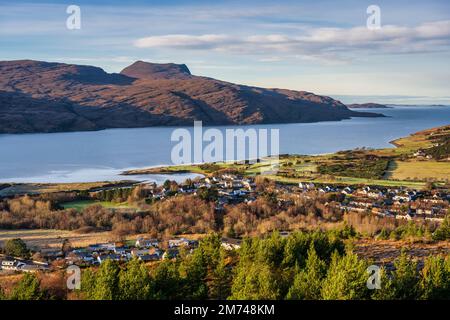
(82,204)
(38,188)
(419,170)
(390,167)
(352,181)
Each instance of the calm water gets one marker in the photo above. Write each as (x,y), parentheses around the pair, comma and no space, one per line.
(102,155)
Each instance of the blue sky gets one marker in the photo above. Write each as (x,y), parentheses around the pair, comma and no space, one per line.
(319,46)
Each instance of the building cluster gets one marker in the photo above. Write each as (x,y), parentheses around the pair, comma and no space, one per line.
(143,249)
(231,189)
(12,264)
(399,203)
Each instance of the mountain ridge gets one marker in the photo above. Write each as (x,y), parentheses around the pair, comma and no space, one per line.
(39,96)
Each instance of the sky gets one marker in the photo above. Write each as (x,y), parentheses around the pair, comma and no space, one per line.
(319,46)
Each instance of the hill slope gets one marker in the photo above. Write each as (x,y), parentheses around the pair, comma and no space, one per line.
(38,96)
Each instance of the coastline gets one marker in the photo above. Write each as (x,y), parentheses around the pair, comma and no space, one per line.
(402,147)
(359,114)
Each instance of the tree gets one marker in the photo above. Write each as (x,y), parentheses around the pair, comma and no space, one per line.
(2,294)
(435,279)
(107,281)
(66,246)
(28,288)
(16,248)
(166,184)
(405,278)
(346,278)
(193,271)
(255,282)
(207,194)
(166,281)
(220,286)
(386,292)
(218,274)
(88,284)
(308,282)
(443,231)
(134,281)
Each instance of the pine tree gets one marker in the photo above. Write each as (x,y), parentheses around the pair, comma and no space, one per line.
(405,278)
(258,274)
(308,282)
(220,285)
(16,248)
(2,294)
(28,288)
(193,271)
(166,282)
(107,281)
(443,231)
(386,292)
(88,284)
(255,282)
(346,278)
(134,281)
(435,279)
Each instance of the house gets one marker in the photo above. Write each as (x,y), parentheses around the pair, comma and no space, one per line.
(102,247)
(234,184)
(103,258)
(32,268)
(121,250)
(347,191)
(51,253)
(284,234)
(12,265)
(174,243)
(80,257)
(231,244)
(401,198)
(419,154)
(140,252)
(248,185)
(406,216)
(375,194)
(170,254)
(239,193)
(146,243)
(149,257)
(306,185)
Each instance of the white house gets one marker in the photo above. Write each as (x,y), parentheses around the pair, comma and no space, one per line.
(146,243)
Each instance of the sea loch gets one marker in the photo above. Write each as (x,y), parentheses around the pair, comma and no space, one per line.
(103,155)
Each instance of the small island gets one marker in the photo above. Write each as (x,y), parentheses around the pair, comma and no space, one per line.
(369,105)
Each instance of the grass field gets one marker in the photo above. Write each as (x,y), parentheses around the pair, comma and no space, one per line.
(81,204)
(37,188)
(42,238)
(351,181)
(419,170)
(50,238)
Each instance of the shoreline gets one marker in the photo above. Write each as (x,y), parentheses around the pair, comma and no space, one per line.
(362,114)
(161,169)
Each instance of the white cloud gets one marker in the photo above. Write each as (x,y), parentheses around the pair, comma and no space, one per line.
(318,43)
(183,40)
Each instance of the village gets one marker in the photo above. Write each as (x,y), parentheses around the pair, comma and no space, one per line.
(399,203)
(143,249)
(230,189)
